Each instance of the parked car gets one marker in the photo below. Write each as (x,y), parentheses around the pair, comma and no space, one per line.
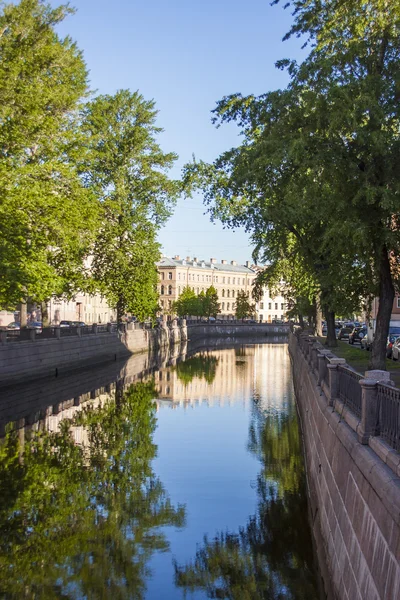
(357,334)
(344,333)
(66,323)
(14,326)
(396,349)
(37,325)
(78,324)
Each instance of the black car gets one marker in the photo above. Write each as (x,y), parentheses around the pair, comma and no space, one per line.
(344,333)
(357,334)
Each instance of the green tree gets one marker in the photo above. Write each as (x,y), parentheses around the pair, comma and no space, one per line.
(126,168)
(244,307)
(203,365)
(47,218)
(211,305)
(352,78)
(84,520)
(188,304)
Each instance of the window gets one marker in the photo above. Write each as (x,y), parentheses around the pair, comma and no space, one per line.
(170,290)
(229,279)
(228,293)
(243,281)
(162,275)
(198,277)
(223,306)
(184,277)
(227,306)
(162,290)
(179,275)
(269,305)
(169,304)
(282,306)
(162,303)
(216,278)
(276,307)
(203,277)
(223,293)
(170,275)
(398,302)
(261,305)
(233,293)
(233,306)
(233,281)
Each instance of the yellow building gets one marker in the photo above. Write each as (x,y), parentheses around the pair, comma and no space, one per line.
(228,279)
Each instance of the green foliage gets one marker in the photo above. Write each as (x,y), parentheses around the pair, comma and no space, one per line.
(318,170)
(211,306)
(203,305)
(47,218)
(126,169)
(244,308)
(84,517)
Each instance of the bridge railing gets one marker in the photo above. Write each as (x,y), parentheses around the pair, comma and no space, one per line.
(369,403)
(55,332)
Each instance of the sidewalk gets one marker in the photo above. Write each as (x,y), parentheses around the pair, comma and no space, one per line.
(359,359)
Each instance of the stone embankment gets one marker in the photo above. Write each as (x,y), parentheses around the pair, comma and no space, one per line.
(55,351)
(351,428)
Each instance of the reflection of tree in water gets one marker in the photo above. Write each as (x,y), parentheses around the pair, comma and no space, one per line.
(203,366)
(84,521)
(271,557)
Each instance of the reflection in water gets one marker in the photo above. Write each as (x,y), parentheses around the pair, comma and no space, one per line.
(83,512)
(81,521)
(271,557)
(203,365)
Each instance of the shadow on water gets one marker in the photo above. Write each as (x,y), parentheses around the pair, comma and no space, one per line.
(82,520)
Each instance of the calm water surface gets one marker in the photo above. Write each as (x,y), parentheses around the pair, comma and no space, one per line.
(197,494)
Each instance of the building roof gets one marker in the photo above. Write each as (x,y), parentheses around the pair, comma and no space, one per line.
(204,264)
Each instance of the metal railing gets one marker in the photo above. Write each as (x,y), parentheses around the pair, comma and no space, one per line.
(350,389)
(382,413)
(389,415)
(54,332)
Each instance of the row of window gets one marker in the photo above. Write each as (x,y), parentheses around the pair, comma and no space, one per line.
(207,278)
(270,306)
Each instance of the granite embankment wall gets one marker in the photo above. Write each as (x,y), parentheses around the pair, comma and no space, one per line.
(197,331)
(41,356)
(354,495)
(53,353)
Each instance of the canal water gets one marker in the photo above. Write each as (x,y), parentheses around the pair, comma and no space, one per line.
(188,483)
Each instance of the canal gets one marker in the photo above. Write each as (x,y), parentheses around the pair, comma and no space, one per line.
(184,479)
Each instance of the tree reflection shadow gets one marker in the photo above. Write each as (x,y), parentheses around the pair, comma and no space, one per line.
(271,557)
(83,520)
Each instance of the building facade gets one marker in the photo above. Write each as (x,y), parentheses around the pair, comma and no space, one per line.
(228,278)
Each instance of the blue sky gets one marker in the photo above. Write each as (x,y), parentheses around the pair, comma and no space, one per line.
(186,55)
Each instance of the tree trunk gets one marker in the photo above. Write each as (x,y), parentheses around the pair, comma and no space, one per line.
(301,321)
(386,298)
(331,340)
(23,316)
(120,311)
(45,314)
(318,316)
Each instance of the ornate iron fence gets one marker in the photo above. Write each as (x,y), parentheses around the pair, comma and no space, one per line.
(389,414)
(350,389)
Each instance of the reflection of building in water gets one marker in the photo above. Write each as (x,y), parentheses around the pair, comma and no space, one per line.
(272,374)
(230,375)
(240,372)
